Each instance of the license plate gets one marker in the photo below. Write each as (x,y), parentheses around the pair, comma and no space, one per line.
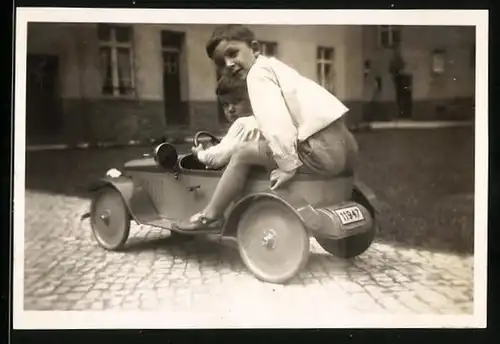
(349,215)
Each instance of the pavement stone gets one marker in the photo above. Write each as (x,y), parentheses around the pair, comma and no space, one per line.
(65,269)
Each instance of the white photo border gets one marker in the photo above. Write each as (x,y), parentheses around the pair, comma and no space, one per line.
(301,318)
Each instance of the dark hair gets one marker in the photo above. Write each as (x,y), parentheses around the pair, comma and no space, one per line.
(229,85)
(235,32)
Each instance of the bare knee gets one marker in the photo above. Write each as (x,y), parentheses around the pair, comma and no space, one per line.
(244,153)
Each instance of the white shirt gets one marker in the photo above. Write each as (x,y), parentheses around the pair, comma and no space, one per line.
(289,108)
(244,129)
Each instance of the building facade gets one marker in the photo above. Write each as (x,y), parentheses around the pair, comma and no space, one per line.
(106,82)
(436,79)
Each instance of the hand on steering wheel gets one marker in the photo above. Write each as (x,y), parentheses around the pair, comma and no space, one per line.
(213,139)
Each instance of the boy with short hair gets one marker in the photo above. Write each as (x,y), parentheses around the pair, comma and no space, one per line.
(233,96)
(302,123)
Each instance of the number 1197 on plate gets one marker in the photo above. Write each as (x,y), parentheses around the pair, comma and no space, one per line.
(349,215)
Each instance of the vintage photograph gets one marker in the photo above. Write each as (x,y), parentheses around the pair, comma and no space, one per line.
(254,172)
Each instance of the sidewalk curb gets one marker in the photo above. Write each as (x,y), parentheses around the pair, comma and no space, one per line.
(365,127)
(419,125)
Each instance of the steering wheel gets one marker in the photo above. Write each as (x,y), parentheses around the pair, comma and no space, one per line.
(213,139)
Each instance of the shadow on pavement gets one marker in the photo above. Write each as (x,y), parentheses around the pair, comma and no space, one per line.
(207,251)
(140,244)
(424,179)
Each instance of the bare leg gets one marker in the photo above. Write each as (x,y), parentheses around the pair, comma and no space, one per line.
(231,184)
(233,180)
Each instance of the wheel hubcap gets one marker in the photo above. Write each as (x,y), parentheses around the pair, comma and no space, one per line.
(272,241)
(269,239)
(105,217)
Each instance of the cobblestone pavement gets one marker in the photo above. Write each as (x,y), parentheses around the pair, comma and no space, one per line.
(66,270)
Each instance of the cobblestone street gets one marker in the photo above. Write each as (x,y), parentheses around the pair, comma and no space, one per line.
(66,270)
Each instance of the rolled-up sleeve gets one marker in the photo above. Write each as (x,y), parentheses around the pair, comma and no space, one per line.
(274,120)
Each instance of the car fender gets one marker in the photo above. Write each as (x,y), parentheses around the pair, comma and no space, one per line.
(305,212)
(135,197)
(362,194)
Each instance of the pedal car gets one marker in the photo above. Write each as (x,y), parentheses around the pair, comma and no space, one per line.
(271,229)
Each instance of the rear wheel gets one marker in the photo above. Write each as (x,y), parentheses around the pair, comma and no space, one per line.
(272,241)
(110,219)
(349,247)
(355,245)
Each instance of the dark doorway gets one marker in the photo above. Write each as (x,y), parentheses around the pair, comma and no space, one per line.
(172,44)
(404,84)
(43,111)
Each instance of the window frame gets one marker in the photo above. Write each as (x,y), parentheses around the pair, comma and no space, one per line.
(321,62)
(114,45)
(390,30)
(264,46)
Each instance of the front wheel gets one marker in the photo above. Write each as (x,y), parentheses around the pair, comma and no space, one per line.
(110,219)
(272,241)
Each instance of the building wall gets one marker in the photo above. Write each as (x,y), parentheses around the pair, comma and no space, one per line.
(90,116)
(446,96)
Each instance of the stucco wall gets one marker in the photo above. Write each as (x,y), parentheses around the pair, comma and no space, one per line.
(458,77)
(79,79)
(58,40)
(446,96)
(78,48)
(418,43)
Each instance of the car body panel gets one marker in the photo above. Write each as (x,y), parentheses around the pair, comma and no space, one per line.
(160,195)
(137,199)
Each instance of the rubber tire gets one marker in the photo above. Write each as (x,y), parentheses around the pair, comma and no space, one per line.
(122,215)
(349,247)
(356,245)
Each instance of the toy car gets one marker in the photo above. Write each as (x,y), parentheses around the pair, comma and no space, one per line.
(271,229)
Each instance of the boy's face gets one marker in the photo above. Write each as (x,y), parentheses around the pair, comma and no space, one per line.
(235,56)
(235,107)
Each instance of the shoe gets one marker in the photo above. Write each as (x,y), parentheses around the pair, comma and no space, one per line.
(199,222)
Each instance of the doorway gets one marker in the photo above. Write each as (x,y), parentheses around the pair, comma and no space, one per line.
(404,95)
(43,111)
(172,43)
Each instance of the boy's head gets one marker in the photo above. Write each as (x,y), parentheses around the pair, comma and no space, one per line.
(234,48)
(233,96)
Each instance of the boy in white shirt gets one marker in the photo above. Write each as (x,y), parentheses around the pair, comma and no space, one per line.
(301,122)
(233,96)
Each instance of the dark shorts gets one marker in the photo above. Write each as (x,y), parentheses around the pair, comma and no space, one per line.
(329,152)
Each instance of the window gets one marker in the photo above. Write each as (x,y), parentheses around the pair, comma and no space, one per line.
(325,73)
(389,36)
(268,48)
(438,61)
(115,47)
